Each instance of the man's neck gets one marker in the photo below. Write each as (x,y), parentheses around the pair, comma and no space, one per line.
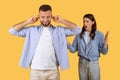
(46,26)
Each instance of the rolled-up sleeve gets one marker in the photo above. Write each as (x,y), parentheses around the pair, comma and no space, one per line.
(69,32)
(74,47)
(102,49)
(21,33)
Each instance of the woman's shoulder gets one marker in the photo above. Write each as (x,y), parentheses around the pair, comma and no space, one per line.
(99,33)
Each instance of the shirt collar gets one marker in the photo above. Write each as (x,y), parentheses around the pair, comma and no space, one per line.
(41,27)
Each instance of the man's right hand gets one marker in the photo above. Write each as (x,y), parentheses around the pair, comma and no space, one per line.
(32,20)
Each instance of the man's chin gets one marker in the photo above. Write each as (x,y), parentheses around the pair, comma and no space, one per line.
(45,25)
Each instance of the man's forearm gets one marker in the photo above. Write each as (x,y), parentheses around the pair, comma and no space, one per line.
(69,24)
(20,25)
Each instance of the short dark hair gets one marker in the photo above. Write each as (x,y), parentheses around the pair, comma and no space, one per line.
(45,7)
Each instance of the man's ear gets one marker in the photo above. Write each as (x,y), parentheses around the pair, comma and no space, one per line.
(52,16)
(38,16)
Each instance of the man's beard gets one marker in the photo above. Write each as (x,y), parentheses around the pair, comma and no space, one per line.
(45,25)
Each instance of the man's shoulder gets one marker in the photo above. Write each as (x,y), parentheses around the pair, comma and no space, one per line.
(58,27)
(35,27)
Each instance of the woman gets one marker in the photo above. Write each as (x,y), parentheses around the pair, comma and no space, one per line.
(89,44)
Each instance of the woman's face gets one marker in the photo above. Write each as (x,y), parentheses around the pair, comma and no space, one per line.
(87,23)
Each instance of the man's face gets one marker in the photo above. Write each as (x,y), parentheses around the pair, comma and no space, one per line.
(45,17)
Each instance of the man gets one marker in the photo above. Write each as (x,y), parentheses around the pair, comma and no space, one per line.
(45,45)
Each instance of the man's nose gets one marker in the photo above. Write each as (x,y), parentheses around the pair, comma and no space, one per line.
(45,19)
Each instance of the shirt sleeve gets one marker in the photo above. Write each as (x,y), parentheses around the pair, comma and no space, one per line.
(74,47)
(21,33)
(101,44)
(70,32)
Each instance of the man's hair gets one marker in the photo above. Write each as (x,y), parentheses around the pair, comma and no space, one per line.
(45,7)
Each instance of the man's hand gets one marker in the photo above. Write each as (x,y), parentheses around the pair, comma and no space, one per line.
(32,20)
(57,19)
(69,24)
(20,25)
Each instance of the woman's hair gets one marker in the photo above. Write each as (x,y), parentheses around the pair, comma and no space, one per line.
(94,26)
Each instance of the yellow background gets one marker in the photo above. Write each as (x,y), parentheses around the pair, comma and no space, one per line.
(106,12)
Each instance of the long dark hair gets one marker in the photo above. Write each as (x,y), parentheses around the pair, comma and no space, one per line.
(94,26)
